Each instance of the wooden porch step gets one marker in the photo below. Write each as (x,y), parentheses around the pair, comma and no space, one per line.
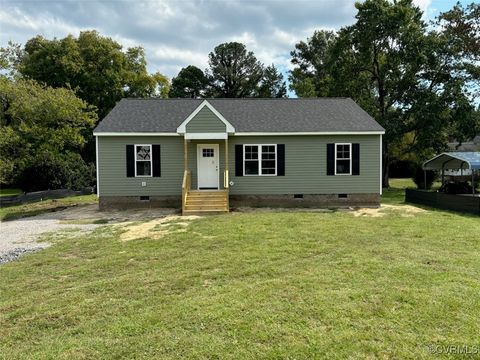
(205,194)
(205,206)
(202,202)
(204,212)
(206,202)
(199,196)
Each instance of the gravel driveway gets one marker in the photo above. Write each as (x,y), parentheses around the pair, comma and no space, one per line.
(20,236)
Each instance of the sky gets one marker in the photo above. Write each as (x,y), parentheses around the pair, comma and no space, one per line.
(180,33)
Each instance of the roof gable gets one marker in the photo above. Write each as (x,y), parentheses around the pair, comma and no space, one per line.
(193,117)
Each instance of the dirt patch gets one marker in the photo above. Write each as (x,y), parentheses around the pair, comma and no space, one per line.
(384,210)
(156,228)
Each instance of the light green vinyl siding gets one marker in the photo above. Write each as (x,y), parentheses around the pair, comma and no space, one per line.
(305,166)
(205,121)
(113,179)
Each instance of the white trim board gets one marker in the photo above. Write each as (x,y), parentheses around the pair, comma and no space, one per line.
(134,134)
(245,133)
(381,164)
(310,133)
(182,128)
(97,167)
(206,136)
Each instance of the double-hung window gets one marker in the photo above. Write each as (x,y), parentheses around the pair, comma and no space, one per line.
(143,160)
(343,159)
(260,160)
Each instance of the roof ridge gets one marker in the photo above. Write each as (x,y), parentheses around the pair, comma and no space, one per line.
(237,99)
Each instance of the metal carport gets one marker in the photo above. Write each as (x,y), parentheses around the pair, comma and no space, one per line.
(454,160)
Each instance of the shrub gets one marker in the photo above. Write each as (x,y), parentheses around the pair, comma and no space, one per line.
(56,171)
(419,177)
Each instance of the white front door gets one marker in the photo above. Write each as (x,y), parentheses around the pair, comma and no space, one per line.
(208,166)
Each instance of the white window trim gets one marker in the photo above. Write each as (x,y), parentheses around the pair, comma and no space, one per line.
(151,157)
(350,158)
(260,160)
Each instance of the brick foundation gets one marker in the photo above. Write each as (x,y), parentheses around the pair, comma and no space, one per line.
(308,200)
(134,202)
(286,201)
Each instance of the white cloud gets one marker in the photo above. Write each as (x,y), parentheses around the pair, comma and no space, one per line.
(178,33)
(423,5)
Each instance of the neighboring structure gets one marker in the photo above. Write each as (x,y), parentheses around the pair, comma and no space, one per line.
(472,145)
(467,146)
(208,155)
(457,161)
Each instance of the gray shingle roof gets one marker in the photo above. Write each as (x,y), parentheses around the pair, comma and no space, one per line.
(246,115)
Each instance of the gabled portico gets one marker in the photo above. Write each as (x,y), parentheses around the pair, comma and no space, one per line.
(204,131)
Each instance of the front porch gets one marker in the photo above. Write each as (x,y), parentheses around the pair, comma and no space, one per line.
(208,190)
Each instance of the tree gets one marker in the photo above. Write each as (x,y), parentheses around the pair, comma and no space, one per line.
(310,58)
(96,67)
(39,122)
(272,84)
(190,82)
(234,72)
(415,82)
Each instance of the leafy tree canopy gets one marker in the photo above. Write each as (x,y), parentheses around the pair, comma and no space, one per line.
(419,83)
(40,121)
(234,72)
(272,84)
(96,67)
(190,82)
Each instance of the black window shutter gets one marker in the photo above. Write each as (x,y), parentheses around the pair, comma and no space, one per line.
(130,161)
(280,159)
(330,159)
(238,160)
(355,159)
(156,161)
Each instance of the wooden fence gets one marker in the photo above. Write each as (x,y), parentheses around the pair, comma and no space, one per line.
(461,203)
(41,195)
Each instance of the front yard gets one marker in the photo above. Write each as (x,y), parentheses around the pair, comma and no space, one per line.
(365,284)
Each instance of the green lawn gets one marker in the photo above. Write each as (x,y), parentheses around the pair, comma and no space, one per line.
(296,285)
(39,207)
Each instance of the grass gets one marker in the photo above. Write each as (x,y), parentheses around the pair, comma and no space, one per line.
(395,194)
(9,191)
(39,207)
(254,285)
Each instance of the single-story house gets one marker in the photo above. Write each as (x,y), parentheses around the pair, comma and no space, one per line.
(208,155)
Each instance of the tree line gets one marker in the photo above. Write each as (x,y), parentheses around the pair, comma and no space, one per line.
(419,80)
